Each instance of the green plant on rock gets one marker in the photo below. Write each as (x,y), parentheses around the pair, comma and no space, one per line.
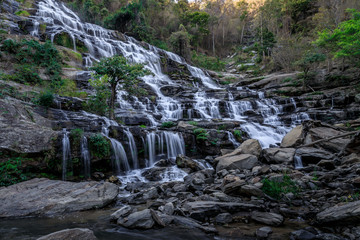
(238,135)
(193,123)
(10,46)
(99,146)
(22,13)
(10,172)
(201,134)
(168,124)
(76,135)
(45,99)
(98,103)
(276,188)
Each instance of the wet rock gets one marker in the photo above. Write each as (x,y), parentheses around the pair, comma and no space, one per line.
(223,218)
(186,162)
(190,223)
(70,234)
(138,220)
(263,232)
(43,197)
(122,212)
(293,138)
(272,219)
(302,235)
(344,214)
(279,155)
(242,161)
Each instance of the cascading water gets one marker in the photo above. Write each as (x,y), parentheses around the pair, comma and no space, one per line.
(298,162)
(232,139)
(85,155)
(133,149)
(66,153)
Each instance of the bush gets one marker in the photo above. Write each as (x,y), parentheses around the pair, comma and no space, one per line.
(168,124)
(238,135)
(99,146)
(10,172)
(45,99)
(26,73)
(201,134)
(276,189)
(211,63)
(10,46)
(22,13)
(76,135)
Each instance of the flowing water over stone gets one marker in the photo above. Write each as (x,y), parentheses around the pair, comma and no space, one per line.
(261,118)
(66,153)
(85,155)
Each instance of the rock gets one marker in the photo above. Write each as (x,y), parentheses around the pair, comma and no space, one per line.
(350,159)
(122,212)
(70,234)
(223,218)
(43,197)
(186,126)
(157,218)
(23,130)
(202,210)
(251,190)
(138,220)
(302,235)
(233,188)
(186,162)
(243,161)
(251,146)
(293,138)
(114,179)
(168,209)
(190,223)
(263,232)
(354,145)
(344,214)
(327,164)
(279,155)
(144,196)
(313,155)
(335,145)
(272,219)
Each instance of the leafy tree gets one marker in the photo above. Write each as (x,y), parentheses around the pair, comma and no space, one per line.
(180,42)
(98,102)
(344,41)
(120,73)
(309,61)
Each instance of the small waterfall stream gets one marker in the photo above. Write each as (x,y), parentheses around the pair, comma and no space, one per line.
(133,149)
(66,153)
(85,155)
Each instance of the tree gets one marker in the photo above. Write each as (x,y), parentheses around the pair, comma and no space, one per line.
(344,41)
(119,72)
(180,42)
(309,60)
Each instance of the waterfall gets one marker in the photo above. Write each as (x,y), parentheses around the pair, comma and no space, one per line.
(66,153)
(150,142)
(174,144)
(133,149)
(298,162)
(232,139)
(85,155)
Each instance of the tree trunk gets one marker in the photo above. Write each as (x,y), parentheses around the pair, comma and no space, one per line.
(112,101)
(213,42)
(242,32)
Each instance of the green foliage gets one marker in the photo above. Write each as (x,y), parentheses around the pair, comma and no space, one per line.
(69,89)
(193,123)
(276,189)
(265,41)
(180,42)
(117,71)
(99,146)
(211,63)
(22,13)
(45,99)
(27,74)
(142,126)
(201,134)
(76,135)
(310,59)
(10,46)
(168,124)
(98,103)
(344,41)
(238,135)
(10,172)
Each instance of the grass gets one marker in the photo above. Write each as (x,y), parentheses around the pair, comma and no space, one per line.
(277,189)
(168,124)
(22,13)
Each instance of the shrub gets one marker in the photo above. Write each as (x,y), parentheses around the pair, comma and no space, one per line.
(201,134)
(10,46)
(76,135)
(22,13)
(45,99)
(10,172)
(99,146)
(168,124)
(26,73)
(211,63)
(276,189)
(238,135)
(193,123)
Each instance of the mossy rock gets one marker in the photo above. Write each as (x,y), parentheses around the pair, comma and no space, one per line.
(22,13)
(64,39)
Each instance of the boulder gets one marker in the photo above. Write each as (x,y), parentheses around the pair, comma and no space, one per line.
(279,155)
(242,161)
(344,214)
(186,162)
(70,234)
(44,197)
(138,220)
(223,218)
(302,235)
(251,190)
(318,133)
(263,232)
(251,146)
(202,210)
(122,212)
(23,130)
(293,138)
(310,155)
(272,219)
(190,223)
(185,126)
